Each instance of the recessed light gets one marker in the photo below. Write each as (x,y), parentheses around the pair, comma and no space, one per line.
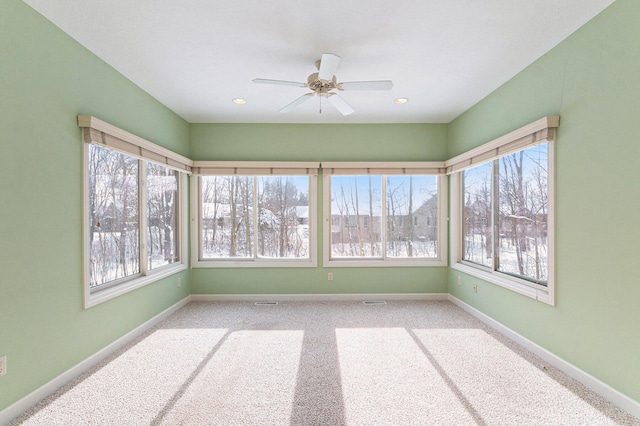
(239,101)
(401,100)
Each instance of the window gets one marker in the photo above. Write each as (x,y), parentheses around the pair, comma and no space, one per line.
(255,217)
(504,210)
(163,228)
(392,214)
(134,218)
(505,225)
(114,236)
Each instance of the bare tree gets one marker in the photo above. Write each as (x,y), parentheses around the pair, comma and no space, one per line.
(356,207)
(477,216)
(113,215)
(274,214)
(161,186)
(247,203)
(513,198)
(233,206)
(212,189)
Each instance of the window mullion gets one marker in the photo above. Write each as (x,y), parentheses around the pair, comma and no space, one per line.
(196,189)
(253,239)
(383,215)
(458,181)
(495,210)
(180,182)
(142,217)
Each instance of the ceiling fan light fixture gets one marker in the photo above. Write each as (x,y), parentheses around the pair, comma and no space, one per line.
(239,101)
(400,101)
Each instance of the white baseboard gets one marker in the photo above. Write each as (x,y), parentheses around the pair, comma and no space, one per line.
(315,297)
(623,401)
(47,389)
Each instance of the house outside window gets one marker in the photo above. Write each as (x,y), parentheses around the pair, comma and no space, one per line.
(387,217)
(254,217)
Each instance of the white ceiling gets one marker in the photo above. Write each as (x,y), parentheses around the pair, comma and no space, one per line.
(195,56)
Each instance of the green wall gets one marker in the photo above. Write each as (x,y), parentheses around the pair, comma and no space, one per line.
(46,80)
(326,142)
(319,142)
(592,81)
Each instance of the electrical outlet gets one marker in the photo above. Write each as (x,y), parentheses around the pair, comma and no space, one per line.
(475,288)
(179,282)
(3,365)
(330,276)
(459,280)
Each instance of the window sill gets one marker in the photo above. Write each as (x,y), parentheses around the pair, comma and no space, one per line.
(378,263)
(533,291)
(97,296)
(252,263)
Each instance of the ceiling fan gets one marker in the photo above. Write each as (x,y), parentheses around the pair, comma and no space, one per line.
(324,82)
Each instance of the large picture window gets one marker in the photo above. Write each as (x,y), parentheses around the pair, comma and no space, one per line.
(502,211)
(134,212)
(505,214)
(390,216)
(257,219)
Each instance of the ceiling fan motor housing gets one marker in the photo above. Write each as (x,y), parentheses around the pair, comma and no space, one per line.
(321,87)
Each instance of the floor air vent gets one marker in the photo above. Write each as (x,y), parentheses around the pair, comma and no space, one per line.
(374,302)
(266,303)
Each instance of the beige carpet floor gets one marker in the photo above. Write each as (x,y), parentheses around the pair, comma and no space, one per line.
(324,363)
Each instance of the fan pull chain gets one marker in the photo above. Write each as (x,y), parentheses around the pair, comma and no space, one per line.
(320,104)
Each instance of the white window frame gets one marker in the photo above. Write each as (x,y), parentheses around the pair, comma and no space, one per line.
(108,136)
(540,131)
(385,169)
(253,168)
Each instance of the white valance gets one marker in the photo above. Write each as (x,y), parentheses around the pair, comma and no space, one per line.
(384,168)
(530,135)
(255,168)
(98,132)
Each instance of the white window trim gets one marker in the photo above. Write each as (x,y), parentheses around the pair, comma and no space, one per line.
(253,169)
(385,169)
(524,287)
(95,296)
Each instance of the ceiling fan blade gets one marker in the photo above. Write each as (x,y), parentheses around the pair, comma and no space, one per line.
(302,99)
(367,85)
(328,66)
(340,104)
(281,82)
